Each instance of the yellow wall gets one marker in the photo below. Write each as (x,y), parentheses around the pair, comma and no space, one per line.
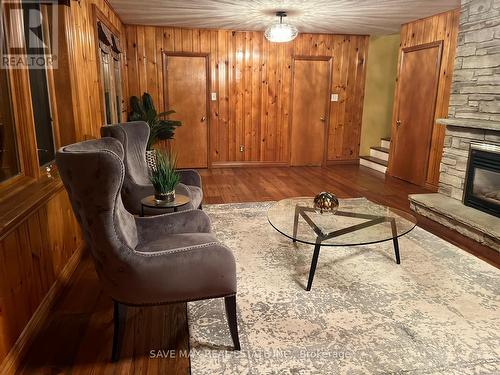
(379,90)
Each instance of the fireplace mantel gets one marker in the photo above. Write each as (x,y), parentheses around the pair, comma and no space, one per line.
(470,123)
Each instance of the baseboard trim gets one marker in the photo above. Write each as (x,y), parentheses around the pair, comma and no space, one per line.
(340,162)
(239,164)
(432,187)
(242,164)
(12,359)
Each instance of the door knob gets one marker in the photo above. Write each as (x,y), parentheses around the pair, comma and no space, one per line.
(322,118)
(203,119)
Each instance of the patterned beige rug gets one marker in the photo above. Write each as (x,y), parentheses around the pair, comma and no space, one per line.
(436,313)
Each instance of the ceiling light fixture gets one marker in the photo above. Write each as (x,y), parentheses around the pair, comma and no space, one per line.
(281,32)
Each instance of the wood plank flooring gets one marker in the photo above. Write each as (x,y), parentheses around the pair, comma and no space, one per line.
(77,339)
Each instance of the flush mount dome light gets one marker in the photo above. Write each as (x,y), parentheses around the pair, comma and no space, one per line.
(281,32)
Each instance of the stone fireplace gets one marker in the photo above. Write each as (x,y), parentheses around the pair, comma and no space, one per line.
(468,197)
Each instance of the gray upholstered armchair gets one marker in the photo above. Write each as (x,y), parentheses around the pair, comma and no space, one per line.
(143,261)
(134,137)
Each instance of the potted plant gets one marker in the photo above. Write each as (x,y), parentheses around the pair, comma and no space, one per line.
(160,127)
(164,176)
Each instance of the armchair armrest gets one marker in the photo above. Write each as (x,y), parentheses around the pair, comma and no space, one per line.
(153,227)
(190,177)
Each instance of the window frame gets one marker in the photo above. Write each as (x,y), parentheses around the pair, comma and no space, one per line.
(19,84)
(114,58)
(14,131)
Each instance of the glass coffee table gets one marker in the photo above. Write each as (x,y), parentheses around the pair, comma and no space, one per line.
(357,221)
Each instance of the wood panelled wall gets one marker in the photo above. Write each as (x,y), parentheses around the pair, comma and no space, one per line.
(253,82)
(38,232)
(87,102)
(443,26)
(32,257)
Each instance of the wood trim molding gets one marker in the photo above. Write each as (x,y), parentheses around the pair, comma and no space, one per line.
(246,164)
(437,43)
(241,164)
(40,316)
(312,58)
(114,11)
(20,91)
(24,199)
(346,162)
(100,16)
(431,187)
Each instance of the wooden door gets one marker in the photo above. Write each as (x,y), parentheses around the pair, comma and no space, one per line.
(310,91)
(186,92)
(415,104)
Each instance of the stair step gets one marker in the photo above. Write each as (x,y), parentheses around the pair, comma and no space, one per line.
(375,160)
(381,149)
(385,143)
(373,163)
(388,139)
(380,153)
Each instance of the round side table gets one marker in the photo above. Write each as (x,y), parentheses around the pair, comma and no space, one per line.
(150,202)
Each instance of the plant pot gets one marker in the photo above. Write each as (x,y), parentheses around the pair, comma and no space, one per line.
(151,159)
(165,197)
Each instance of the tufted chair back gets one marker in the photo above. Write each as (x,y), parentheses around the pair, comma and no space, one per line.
(134,138)
(93,172)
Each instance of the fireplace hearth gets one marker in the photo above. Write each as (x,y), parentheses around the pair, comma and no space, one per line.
(482,185)
(468,196)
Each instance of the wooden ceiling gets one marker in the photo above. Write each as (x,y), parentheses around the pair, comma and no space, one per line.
(374,17)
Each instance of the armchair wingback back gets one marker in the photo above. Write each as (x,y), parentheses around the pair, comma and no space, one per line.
(134,138)
(143,261)
(136,185)
(93,173)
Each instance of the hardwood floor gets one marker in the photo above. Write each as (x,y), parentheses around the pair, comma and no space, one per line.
(265,184)
(77,339)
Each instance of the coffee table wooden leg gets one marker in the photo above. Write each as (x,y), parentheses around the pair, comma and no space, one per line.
(313,266)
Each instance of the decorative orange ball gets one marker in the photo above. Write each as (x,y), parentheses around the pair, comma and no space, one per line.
(326,202)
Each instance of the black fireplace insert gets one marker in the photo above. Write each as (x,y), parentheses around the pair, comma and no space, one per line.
(482,185)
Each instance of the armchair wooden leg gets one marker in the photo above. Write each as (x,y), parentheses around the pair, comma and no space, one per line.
(232,320)
(119,317)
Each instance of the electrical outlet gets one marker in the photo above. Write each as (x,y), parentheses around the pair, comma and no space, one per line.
(242,148)
(214,96)
(334,97)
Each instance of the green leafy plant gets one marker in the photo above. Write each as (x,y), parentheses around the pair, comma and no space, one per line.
(164,176)
(161,128)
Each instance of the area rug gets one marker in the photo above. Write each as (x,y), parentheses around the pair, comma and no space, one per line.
(436,313)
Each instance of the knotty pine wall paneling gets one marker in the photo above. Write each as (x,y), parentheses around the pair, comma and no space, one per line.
(37,246)
(441,27)
(32,256)
(86,90)
(252,78)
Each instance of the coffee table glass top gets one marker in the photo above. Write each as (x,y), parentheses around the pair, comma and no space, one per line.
(357,221)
